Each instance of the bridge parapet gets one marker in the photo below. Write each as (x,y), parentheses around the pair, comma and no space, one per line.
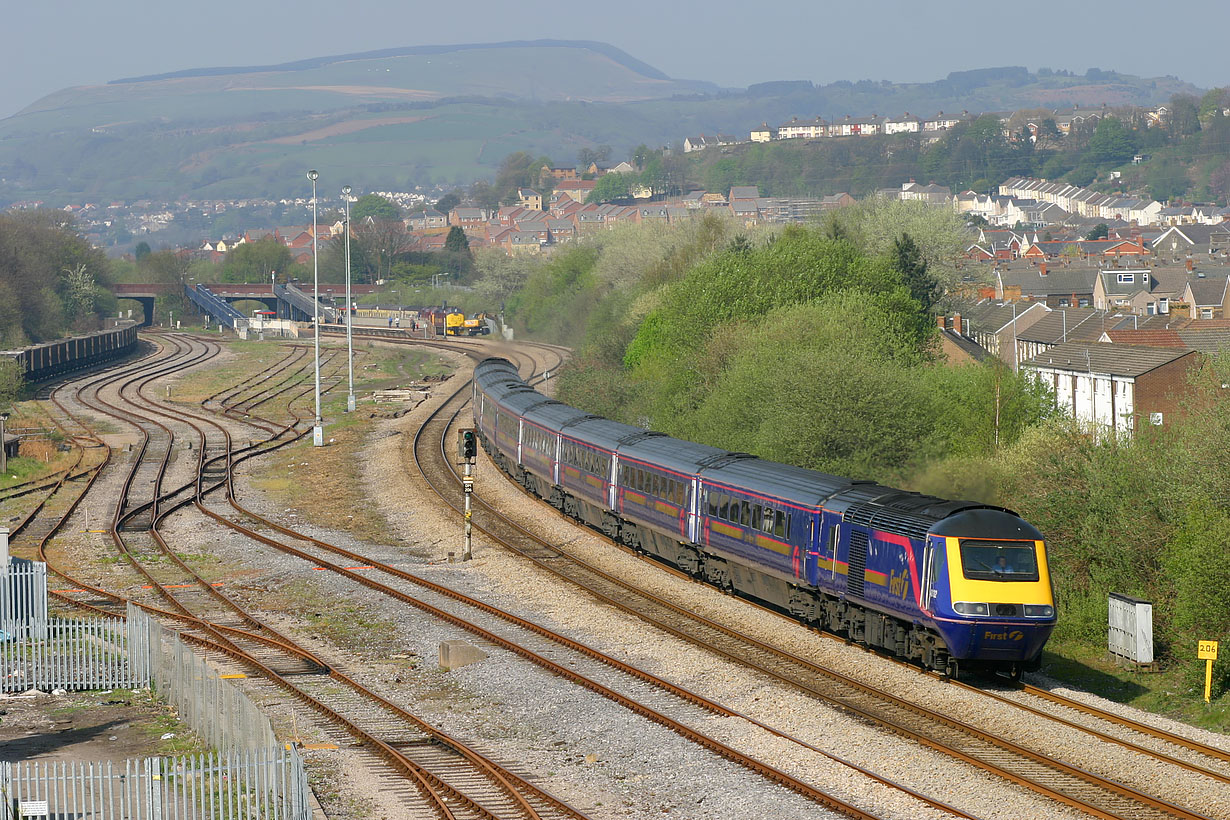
(217,308)
(305,306)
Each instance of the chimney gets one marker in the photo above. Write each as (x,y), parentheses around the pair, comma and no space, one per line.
(943,321)
(1042,269)
(1188,263)
(956,324)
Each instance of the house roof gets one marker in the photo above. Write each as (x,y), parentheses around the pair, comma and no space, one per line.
(1111,359)
(971,348)
(992,317)
(744,192)
(1066,325)
(1209,292)
(1206,341)
(1056,281)
(1150,337)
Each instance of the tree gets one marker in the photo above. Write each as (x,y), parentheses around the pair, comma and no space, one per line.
(10,382)
(50,278)
(1111,143)
(1219,181)
(1184,118)
(483,195)
(909,261)
(500,276)
(375,206)
(456,240)
(518,170)
(611,187)
(1100,231)
(141,251)
(1167,179)
(448,202)
(255,261)
(377,243)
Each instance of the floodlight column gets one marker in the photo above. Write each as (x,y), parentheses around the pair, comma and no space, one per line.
(349,339)
(318,432)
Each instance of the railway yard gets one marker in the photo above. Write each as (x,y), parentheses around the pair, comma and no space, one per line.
(604,686)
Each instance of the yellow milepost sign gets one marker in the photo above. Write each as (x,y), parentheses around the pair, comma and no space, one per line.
(1207,652)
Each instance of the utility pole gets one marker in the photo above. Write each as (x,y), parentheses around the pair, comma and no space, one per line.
(318,430)
(349,342)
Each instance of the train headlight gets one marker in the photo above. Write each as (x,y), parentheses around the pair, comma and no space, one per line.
(967,608)
(1039,611)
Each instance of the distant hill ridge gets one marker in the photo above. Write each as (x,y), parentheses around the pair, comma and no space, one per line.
(618,55)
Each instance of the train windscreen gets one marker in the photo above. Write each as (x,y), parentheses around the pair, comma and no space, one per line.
(999,560)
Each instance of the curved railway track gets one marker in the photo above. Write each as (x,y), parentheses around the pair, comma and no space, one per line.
(217,622)
(1037,770)
(451,779)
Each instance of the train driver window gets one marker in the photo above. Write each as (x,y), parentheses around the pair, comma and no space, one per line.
(999,560)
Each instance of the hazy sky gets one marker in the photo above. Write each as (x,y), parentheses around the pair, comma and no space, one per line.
(51,44)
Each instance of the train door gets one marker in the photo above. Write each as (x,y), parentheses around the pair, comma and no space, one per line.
(556,452)
(931,571)
(812,548)
(612,484)
(693,502)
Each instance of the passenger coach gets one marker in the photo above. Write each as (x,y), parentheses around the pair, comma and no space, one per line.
(948,584)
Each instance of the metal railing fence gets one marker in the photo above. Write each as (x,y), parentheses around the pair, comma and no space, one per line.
(265,784)
(215,709)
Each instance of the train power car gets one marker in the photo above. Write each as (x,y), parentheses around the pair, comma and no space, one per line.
(445,321)
(951,585)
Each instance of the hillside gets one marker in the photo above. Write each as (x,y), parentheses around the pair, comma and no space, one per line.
(448,114)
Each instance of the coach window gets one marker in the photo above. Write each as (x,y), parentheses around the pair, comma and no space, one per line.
(723,507)
(745,513)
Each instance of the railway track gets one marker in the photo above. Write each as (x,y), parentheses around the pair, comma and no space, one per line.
(451,779)
(307,669)
(1036,769)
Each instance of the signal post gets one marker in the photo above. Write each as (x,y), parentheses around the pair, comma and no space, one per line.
(467,451)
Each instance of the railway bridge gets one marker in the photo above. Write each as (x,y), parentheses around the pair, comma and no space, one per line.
(292,300)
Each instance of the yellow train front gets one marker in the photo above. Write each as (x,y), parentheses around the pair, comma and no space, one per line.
(989,585)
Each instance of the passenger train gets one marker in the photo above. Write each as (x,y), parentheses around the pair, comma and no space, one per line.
(953,586)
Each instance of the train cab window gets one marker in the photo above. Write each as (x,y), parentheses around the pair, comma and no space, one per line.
(999,560)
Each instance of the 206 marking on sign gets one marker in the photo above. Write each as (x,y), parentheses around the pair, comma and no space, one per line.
(1206,650)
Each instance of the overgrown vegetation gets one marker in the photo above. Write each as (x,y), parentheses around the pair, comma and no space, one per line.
(51,280)
(813,346)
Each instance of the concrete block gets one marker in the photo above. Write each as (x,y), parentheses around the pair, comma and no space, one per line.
(456,654)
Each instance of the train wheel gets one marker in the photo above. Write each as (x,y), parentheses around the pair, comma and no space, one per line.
(1014,672)
(951,669)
